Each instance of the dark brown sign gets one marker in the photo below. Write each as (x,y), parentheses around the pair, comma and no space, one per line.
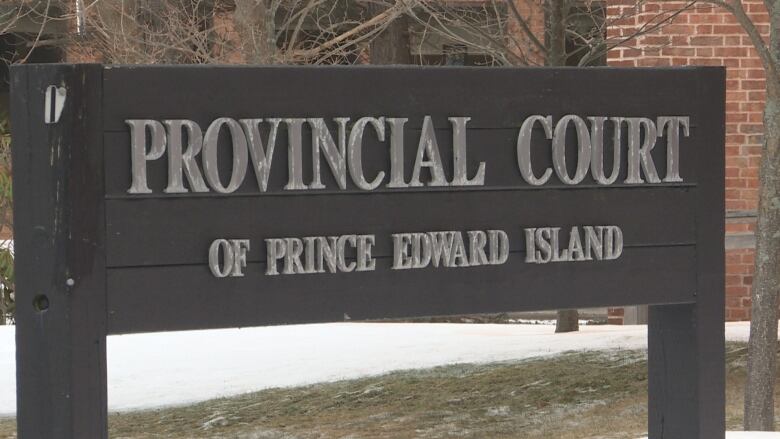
(171,198)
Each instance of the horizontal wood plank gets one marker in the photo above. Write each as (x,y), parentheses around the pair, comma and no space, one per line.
(495,97)
(149,232)
(189,297)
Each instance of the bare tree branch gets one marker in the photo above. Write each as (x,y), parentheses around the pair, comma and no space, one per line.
(374,22)
(736,8)
(524,25)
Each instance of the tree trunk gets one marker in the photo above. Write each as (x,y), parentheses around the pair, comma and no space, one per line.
(557,17)
(256,28)
(155,15)
(568,321)
(557,14)
(762,348)
(391,46)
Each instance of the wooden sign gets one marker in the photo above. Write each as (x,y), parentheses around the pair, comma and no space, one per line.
(173,198)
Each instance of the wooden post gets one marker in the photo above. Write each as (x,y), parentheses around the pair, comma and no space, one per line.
(686,343)
(60,255)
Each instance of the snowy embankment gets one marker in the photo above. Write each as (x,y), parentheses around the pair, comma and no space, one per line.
(161,369)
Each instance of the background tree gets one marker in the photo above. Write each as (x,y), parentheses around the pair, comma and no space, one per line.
(6,227)
(391,45)
(536,32)
(762,347)
(35,12)
(227,31)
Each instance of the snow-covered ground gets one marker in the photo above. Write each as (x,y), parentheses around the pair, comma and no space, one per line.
(750,435)
(152,370)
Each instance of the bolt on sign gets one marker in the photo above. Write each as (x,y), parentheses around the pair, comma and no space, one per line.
(173,198)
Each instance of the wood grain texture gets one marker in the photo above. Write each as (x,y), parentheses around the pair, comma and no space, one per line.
(60,235)
(156,231)
(686,344)
(494,97)
(189,297)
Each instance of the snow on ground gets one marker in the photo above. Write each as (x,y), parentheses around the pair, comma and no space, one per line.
(161,369)
(750,435)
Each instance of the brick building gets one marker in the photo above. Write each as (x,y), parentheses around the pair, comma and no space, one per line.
(702,35)
(711,36)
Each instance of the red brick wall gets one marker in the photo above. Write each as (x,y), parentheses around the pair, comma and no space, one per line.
(710,36)
(615,316)
(738,280)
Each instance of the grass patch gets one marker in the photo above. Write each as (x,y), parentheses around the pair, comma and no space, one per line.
(583,395)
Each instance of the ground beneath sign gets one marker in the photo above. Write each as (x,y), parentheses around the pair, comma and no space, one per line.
(577,395)
(163,369)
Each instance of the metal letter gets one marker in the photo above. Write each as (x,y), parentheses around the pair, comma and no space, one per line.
(310,249)
(441,248)
(355,152)
(499,246)
(178,160)
(477,241)
(401,259)
(224,269)
(428,147)
(614,242)
(594,238)
(421,250)
(261,157)
(597,149)
(639,150)
(559,149)
(524,149)
(239,248)
(342,243)
(210,144)
(544,250)
(327,253)
(335,156)
(292,258)
(557,255)
(530,246)
(295,155)
(673,144)
(275,250)
(138,154)
(458,256)
(460,156)
(575,245)
(364,260)
(397,152)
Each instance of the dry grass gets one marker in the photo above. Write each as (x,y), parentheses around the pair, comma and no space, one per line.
(591,395)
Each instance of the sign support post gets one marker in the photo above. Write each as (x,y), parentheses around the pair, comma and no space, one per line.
(686,343)
(60,255)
